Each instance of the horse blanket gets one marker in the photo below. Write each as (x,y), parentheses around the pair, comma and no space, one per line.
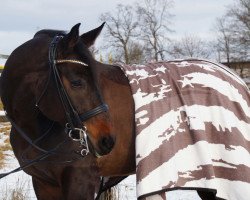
(192,128)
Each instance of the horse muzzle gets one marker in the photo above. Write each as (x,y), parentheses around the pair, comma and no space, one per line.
(106,144)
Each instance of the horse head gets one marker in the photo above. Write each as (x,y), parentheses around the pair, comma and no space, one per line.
(75,65)
(63,84)
(54,92)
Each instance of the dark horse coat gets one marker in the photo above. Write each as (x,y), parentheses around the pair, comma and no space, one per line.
(192,128)
(47,82)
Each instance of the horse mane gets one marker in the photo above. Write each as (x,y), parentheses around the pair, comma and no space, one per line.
(50,33)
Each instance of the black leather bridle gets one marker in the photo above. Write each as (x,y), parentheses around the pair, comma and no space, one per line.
(74,119)
(74,126)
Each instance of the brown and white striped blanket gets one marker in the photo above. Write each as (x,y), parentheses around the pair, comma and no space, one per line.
(192,128)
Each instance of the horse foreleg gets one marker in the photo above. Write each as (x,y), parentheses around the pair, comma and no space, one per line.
(45,190)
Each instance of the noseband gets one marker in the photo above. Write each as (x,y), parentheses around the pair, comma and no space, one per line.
(74,126)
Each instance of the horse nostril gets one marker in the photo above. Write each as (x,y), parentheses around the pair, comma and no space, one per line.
(107,144)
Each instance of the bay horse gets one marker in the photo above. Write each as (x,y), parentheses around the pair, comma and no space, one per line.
(57,104)
(54,92)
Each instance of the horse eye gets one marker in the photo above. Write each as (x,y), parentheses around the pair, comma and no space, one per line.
(76,83)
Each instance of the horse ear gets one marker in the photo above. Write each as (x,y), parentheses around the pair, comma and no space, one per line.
(90,37)
(72,37)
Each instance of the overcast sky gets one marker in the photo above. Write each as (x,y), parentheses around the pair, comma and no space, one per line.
(20,19)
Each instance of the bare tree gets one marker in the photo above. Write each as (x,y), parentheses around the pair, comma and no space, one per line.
(93,50)
(233,41)
(121,28)
(239,15)
(189,46)
(4,56)
(154,21)
(223,45)
(136,53)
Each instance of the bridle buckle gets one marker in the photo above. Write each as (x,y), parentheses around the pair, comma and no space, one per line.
(82,138)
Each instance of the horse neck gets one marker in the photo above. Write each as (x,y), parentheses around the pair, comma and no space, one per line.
(25,114)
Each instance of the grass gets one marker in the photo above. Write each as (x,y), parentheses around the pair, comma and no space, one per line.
(8,192)
(4,130)
(110,194)
(19,192)
(2,158)
(6,146)
(1,105)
